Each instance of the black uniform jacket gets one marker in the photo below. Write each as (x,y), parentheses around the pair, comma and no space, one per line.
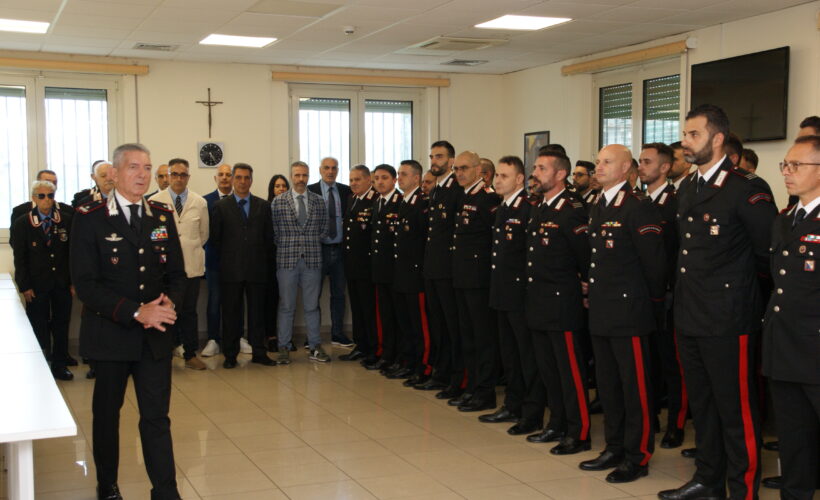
(116,270)
(357,236)
(725,231)
(382,236)
(441,221)
(558,255)
(410,239)
(667,205)
(245,247)
(791,332)
(473,237)
(24,208)
(627,276)
(39,265)
(507,280)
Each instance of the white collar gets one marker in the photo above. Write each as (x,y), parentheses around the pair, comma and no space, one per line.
(124,202)
(444,179)
(549,202)
(808,208)
(612,192)
(410,193)
(509,201)
(389,195)
(654,195)
(711,171)
(468,189)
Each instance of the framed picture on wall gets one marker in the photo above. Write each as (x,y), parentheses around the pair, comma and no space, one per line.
(533,141)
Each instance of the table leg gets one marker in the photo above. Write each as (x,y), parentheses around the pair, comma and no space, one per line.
(20,463)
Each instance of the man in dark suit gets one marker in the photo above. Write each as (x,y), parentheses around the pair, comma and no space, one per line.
(27,206)
(336,197)
(524,396)
(654,164)
(448,366)
(724,222)
(103,184)
(224,188)
(557,266)
(790,340)
(408,278)
(627,285)
(42,275)
(242,234)
(127,267)
(357,265)
(472,243)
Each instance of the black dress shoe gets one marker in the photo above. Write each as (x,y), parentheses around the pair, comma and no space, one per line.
(672,439)
(627,472)
(387,369)
(111,492)
(373,364)
(571,446)
(774,482)
(91,374)
(263,360)
(522,428)
(62,373)
(69,361)
(693,491)
(413,380)
(606,460)
(273,344)
(689,452)
(477,404)
(500,415)
(229,363)
(461,399)
(450,393)
(352,356)
(772,446)
(595,406)
(546,436)
(401,373)
(431,385)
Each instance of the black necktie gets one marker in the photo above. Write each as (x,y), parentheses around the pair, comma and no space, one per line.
(381,205)
(799,216)
(701,183)
(178,205)
(135,218)
(47,229)
(331,214)
(242,203)
(221,196)
(602,201)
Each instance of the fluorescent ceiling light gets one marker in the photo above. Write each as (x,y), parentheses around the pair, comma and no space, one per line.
(23,26)
(532,23)
(237,41)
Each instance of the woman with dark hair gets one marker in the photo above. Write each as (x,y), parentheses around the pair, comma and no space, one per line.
(278,184)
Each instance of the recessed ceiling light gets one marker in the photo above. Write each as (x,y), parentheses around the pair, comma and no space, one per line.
(237,41)
(23,26)
(533,23)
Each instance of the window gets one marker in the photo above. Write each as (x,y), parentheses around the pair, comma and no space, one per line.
(52,122)
(639,105)
(355,126)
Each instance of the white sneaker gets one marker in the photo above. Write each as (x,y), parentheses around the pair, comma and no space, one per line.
(244,347)
(211,349)
(179,351)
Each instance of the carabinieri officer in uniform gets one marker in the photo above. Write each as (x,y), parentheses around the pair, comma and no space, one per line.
(127,268)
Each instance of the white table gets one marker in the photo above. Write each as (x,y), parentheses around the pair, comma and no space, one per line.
(33,405)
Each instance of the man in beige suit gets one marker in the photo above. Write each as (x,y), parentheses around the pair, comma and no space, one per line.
(191,218)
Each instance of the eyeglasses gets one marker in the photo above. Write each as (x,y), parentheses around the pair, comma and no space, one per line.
(791,167)
(181,175)
(579,174)
(42,196)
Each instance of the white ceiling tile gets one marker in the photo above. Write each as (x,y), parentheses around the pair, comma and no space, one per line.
(23,14)
(86,20)
(18,45)
(635,15)
(100,8)
(82,41)
(201,5)
(101,31)
(572,10)
(77,49)
(47,5)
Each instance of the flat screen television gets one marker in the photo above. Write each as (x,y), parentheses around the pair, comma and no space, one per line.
(753,89)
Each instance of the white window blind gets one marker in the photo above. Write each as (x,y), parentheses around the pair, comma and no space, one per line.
(13,151)
(615,115)
(661,109)
(388,129)
(76,134)
(324,130)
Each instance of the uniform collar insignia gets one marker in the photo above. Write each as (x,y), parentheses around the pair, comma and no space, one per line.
(721,178)
(620,198)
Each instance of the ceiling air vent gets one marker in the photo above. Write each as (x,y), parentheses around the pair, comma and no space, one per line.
(155,46)
(444,45)
(464,62)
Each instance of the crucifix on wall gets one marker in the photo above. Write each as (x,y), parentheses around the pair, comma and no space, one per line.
(210,105)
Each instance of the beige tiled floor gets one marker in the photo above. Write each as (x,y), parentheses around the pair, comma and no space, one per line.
(310,431)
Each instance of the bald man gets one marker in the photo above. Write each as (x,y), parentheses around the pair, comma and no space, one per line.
(627,286)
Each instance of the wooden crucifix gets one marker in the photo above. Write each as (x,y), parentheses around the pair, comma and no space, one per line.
(210,105)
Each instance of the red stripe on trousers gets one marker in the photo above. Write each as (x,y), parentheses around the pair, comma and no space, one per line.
(684,398)
(425,330)
(746,413)
(639,373)
(579,387)
(463,380)
(379,332)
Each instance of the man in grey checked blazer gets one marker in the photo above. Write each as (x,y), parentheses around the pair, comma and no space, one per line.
(299,224)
